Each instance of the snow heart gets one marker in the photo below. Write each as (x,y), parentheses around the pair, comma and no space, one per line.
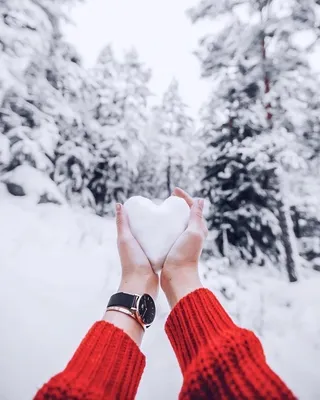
(157,227)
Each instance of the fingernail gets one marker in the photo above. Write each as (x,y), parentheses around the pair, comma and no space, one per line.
(201,203)
(118,207)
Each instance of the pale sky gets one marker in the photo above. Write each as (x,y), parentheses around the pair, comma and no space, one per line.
(158,29)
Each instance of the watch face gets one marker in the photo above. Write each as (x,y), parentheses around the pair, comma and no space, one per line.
(146,309)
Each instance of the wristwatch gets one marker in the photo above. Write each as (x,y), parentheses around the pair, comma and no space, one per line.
(141,307)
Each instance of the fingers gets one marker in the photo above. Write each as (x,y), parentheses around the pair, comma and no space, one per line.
(196,211)
(183,195)
(122,221)
(196,221)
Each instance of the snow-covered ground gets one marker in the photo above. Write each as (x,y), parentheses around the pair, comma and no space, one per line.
(58,268)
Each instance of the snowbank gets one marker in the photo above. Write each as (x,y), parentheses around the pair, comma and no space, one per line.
(58,269)
(25,180)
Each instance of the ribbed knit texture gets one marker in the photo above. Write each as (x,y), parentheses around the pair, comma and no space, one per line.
(107,365)
(219,360)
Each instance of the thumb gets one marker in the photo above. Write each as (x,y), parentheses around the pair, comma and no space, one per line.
(196,214)
(122,221)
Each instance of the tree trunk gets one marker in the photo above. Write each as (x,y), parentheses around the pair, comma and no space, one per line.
(266,77)
(296,222)
(288,236)
(285,220)
(225,243)
(169,177)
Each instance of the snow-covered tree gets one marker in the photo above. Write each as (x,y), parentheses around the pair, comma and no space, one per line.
(44,110)
(121,111)
(75,153)
(172,142)
(147,178)
(134,80)
(73,171)
(105,81)
(311,132)
(264,83)
(66,74)
(240,182)
(305,211)
(107,113)
(27,31)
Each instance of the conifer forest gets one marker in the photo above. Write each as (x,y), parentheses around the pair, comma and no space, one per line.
(77,139)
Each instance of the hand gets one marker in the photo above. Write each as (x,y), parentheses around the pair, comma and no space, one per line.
(137,274)
(179,275)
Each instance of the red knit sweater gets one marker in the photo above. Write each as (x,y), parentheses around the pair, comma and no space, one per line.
(218,359)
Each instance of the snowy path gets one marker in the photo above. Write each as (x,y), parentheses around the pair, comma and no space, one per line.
(57,271)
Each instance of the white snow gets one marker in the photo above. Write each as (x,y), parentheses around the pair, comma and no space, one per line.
(157,227)
(35,183)
(59,267)
(4,149)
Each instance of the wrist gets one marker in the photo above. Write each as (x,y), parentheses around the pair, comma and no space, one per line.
(139,284)
(178,284)
(132,285)
(125,322)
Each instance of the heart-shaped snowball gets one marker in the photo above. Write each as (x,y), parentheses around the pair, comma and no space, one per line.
(157,227)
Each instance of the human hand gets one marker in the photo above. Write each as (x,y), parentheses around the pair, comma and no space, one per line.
(137,274)
(179,275)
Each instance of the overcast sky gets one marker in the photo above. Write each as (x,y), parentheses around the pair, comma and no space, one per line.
(160,31)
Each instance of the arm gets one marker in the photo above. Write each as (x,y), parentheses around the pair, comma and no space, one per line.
(108,364)
(217,358)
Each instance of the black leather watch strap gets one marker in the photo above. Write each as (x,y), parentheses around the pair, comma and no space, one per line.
(122,300)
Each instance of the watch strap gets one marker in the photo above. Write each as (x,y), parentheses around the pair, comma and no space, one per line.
(122,299)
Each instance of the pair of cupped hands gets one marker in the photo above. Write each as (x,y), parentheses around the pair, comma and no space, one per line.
(179,274)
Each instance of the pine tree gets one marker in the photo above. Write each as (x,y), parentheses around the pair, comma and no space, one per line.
(107,112)
(150,163)
(105,81)
(240,184)
(44,106)
(27,33)
(311,132)
(305,191)
(75,154)
(121,110)
(28,99)
(263,75)
(173,142)
(134,78)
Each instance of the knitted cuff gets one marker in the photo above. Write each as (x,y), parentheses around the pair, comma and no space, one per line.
(193,322)
(107,361)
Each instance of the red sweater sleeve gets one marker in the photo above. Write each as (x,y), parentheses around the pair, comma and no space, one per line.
(217,358)
(107,365)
